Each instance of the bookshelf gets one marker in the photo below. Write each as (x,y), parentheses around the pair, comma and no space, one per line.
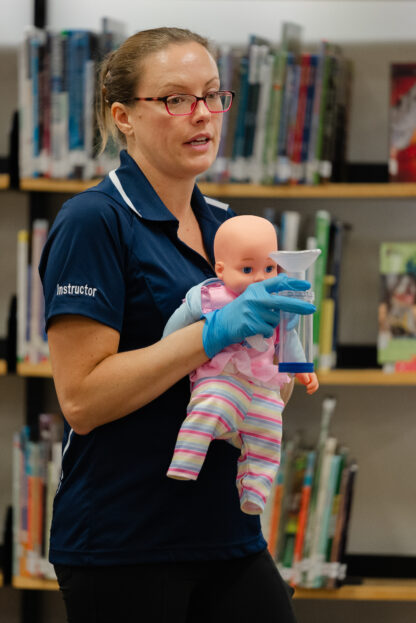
(333,377)
(35,369)
(4,181)
(254,191)
(369,590)
(38,584)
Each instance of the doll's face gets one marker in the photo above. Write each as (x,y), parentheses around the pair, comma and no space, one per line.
(243,257)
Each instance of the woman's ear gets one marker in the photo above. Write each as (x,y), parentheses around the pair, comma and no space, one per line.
(121,117)
(219,269)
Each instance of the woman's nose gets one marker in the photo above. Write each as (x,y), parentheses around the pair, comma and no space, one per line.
(200,110)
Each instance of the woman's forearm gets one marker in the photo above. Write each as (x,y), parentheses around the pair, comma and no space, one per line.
(124,382)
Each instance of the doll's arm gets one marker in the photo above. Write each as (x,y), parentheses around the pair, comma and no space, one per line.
(189,312)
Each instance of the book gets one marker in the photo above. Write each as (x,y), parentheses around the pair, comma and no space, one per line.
(273,116)
(318,533)
(402,122)
(328,408)
(298,122)
(36,470)
(322,226)
(339,546)
(303,517)
(237,165)
(22,293)
(312,164)
(289,230)
(38,344)
(397,308)
(265,80)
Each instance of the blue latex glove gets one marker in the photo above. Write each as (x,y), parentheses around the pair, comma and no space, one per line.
(256,310)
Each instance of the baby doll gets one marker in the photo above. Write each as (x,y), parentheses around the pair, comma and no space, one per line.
(236,394)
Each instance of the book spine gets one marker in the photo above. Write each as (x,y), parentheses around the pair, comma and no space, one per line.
(322,225)
(273,119)
(265,79)
(321,578)
(315,558)
(295,149)
(312,166)
(22,290)
(282,173)
(289,230)
(38,347)
(238,172)
(303,518)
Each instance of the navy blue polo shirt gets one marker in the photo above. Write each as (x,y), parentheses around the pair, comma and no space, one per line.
(113,254)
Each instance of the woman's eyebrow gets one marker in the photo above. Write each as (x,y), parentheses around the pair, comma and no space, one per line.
(178,85)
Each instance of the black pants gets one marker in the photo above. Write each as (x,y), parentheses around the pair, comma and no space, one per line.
(245,590)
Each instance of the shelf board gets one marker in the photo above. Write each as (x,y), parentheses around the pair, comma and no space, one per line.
(370,590)
(323,191)
(3,367)
(333,377)
(38,584)
(40,184)
(366,377)
(34,369)
(4,181)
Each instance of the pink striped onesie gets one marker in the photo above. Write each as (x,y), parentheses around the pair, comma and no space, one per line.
(235,396)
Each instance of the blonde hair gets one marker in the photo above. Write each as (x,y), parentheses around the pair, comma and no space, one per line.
(120,72)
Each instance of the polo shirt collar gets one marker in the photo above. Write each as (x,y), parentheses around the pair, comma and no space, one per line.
(137,192)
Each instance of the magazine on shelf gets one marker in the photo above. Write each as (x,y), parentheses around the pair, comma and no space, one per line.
(397,308)
(402,134)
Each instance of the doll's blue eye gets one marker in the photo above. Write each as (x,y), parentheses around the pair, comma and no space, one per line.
(247,270)
(269,269)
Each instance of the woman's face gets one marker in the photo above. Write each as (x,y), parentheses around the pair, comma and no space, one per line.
(164,143)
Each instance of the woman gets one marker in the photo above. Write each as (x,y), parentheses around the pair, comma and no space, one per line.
(118,261)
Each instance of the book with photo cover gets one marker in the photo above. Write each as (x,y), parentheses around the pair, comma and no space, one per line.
(397,307)
(402,123)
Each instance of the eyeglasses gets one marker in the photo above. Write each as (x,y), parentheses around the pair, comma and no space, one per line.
(180,104)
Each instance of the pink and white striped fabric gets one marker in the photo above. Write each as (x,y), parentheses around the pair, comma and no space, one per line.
(244,413)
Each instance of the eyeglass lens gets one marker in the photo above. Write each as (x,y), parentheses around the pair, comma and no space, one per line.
(184,104)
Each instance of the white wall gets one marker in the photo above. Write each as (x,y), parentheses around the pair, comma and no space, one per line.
(228,20)
(233,20)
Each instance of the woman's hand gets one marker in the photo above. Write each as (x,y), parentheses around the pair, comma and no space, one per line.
(255,311)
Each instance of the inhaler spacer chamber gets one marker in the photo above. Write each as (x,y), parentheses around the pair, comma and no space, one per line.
(296,330)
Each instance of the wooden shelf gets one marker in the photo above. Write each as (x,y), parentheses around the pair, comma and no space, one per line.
(3,367)
(4,181)
(333,377)
(37,584)
(324,191)
(370,590)
(34,369)
(366,377)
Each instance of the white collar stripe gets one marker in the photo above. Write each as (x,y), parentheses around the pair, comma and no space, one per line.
(216,203)
(117,184)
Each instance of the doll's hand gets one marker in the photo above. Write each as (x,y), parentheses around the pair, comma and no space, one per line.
(256,310)
(310,380)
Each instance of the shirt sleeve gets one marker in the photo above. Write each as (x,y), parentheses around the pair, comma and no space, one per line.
(82,264)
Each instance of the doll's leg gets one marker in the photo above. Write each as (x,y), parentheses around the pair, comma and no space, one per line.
(215,411)
(260,456)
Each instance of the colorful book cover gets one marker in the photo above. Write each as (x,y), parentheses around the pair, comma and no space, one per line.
(397,308)
(402,135)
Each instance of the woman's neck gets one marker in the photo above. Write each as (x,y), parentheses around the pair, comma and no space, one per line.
(176,193)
